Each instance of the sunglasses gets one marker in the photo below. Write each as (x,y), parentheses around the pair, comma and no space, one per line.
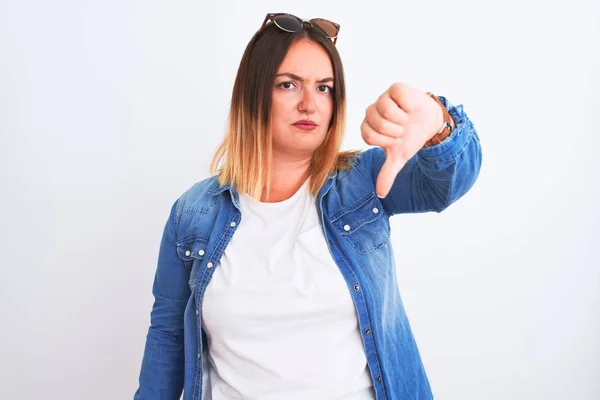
(291,23)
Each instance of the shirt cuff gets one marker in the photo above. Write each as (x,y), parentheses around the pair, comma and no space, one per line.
(451,147)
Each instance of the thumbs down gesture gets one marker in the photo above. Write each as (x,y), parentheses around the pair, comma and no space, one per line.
(400,122)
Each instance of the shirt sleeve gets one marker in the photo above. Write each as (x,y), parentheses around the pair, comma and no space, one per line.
(162,371)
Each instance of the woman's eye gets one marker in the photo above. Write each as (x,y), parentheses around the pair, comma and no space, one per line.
(286,85)
(326,89)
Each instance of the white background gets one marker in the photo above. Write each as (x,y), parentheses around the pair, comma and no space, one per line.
(110,110)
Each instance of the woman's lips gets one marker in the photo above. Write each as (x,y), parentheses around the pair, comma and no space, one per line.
(306,127)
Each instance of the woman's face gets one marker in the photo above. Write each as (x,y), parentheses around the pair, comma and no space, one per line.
(303,91)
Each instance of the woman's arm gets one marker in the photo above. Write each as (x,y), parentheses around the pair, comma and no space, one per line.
(162,372)
(437,175)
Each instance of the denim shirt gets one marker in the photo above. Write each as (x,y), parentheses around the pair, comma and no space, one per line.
(355,223)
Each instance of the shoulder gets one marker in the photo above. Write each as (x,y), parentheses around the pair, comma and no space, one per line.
(355,177)
(361,161)
(199,197)
(369,155)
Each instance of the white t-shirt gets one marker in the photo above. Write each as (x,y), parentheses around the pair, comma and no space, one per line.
(278,315)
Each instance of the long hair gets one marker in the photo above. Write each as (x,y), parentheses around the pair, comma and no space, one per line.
(246,150)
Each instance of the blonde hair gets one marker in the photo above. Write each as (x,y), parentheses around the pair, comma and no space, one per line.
(246,149)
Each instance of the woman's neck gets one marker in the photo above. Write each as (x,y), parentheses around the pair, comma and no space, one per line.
(286,179)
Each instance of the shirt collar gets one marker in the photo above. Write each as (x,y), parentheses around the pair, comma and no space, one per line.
(216,189)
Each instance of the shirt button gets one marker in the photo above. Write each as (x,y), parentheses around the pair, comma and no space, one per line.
(197,312)
(198,355)
(330,241)
(368,331)
(201,252)
(375,210)
(346,228)
(232,224)
(209,265)
(379,378)
(356,287)
(188,253)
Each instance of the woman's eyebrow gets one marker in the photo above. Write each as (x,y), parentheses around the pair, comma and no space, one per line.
(296,77)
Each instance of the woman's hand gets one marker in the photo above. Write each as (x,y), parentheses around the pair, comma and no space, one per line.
(400,122)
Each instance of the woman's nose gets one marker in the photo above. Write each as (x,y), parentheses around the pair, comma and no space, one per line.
(307,102)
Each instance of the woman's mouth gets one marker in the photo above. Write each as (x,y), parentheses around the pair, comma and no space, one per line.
(306,125)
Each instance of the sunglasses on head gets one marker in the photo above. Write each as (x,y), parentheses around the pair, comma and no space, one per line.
(291,23)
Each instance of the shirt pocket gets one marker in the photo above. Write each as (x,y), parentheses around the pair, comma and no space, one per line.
(364,224)
(192,251)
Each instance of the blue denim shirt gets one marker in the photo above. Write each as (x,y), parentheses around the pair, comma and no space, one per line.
(204,219)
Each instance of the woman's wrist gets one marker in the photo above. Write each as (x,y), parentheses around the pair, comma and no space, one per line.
(445,129)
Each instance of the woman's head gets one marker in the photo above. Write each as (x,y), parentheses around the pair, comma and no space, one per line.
(284,78)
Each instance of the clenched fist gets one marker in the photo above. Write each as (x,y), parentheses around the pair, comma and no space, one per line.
(400,122)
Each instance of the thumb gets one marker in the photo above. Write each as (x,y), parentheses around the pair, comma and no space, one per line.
(389,170)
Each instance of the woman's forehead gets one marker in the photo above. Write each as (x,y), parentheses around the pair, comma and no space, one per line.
(307,60)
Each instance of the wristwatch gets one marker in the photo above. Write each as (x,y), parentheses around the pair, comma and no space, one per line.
(446,128)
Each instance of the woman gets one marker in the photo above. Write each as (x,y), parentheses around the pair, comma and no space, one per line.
(276,276)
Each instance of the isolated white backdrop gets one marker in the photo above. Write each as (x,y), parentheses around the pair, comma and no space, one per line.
(110,110)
